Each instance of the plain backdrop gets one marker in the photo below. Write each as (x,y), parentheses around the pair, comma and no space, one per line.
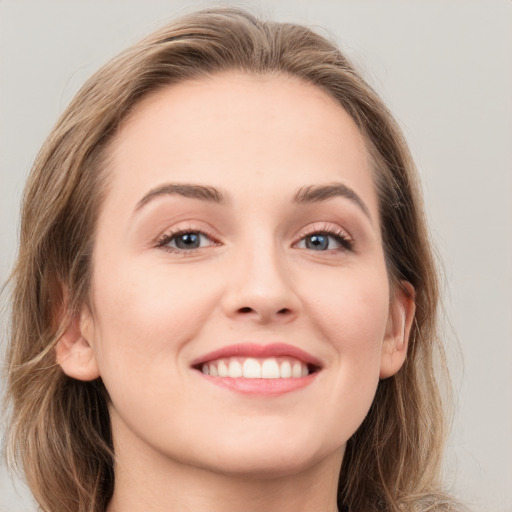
(445,70)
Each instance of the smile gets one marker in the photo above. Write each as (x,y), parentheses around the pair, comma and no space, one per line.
(252,368)
(259,369)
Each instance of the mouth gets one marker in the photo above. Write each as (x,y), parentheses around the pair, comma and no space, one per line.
(259,369)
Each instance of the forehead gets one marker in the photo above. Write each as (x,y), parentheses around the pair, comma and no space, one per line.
(240,131)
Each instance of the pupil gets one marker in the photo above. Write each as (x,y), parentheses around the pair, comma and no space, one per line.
(317,242)
(187,241)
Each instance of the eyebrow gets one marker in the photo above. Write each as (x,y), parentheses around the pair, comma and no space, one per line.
(201,192)
(317,193)
(309,194)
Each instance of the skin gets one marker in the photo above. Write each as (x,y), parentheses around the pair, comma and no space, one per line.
(181,442)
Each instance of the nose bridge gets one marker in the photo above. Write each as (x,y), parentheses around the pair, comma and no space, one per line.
(260,285)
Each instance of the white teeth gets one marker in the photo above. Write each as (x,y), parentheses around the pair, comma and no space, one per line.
(223,369)
(270,369)
(296,369)
(235,369)
(252,368)
(286,370)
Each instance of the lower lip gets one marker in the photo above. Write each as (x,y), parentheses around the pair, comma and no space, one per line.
(261,386)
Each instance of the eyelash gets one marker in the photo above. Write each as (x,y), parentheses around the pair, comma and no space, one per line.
(168,237)
(341,237)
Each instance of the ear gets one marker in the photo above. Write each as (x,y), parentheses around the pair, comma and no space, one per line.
(396,340)
(74,352)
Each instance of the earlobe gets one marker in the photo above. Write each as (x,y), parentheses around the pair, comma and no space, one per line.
(396,341)
(74,353)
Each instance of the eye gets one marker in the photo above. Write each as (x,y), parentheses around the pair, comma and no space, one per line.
(324,241)
(185,241)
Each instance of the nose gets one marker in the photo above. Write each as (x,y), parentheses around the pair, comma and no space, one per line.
(260,288)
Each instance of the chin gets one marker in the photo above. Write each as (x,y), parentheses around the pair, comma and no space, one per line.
(271,456)
(265,465)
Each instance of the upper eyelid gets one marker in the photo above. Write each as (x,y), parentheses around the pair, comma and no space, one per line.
(188,227)
(329,228)
(323,227)
(174,233)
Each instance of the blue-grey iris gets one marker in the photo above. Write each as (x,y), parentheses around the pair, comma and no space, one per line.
(317,242)
(188,241)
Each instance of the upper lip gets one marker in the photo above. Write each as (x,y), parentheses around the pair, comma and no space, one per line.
(261,351)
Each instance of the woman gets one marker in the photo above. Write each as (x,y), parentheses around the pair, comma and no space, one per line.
(225,297)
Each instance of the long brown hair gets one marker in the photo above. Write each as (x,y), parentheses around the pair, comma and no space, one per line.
(59,427)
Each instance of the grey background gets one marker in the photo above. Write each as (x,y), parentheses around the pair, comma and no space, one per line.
(445,70)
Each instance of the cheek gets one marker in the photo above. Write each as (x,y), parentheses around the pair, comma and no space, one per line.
(352,308)
(350,315)
(352,320)
(145,315)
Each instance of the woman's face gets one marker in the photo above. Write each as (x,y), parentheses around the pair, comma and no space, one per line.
(240,236)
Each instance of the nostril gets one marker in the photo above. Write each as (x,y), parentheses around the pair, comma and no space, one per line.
(264,314)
